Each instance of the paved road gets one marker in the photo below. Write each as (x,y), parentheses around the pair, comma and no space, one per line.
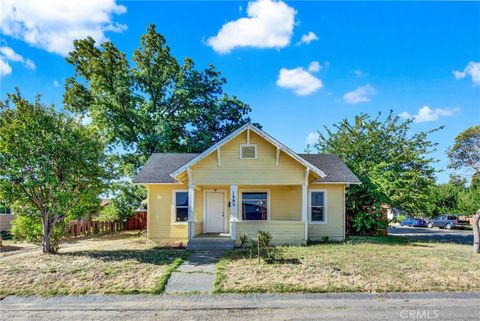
(358,307)
(434,234)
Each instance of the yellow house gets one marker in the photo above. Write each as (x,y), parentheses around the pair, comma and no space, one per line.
(247,182)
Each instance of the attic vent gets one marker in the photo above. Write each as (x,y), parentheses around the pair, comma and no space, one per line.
(248,151)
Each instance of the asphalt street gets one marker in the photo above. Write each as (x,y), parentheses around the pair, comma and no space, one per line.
(358,307)
(433,234)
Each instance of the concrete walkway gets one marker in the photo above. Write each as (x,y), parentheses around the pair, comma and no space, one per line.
(262,307)
(196,275)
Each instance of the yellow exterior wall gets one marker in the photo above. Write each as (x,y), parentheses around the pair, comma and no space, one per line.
(334,229)
(234,170)
(159,217)
(282,232)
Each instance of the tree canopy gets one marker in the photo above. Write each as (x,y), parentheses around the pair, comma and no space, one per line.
(393,164)
(465,152)
(154,104)
(49,163)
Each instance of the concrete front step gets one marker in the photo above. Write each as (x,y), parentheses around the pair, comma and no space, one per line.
(205,243)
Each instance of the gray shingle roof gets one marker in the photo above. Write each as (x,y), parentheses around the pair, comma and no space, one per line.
(160,165)
(333,166)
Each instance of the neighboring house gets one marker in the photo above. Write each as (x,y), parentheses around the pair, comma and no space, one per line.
(247,182)
(6,218)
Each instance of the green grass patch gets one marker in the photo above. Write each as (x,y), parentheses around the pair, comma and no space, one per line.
(360,264)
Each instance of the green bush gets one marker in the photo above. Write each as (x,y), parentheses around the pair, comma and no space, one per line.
(399,218)
(369,222)
(27,226)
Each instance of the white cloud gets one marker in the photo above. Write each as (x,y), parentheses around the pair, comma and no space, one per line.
(360,95)
(5,68)
(56,84)
(307,38)
(472,69)
(314,66)
(269,25)
(427,114)
(54,24)
(359,73)
(8,54)
(312,138)
(300,80)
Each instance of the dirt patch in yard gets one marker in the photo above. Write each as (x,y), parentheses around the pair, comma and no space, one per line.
(120,264)
(360,265)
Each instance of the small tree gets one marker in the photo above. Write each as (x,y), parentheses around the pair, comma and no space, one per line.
(49,162)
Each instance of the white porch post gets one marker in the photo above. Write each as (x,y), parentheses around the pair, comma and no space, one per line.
(305,202)
(233,211)
(191,202)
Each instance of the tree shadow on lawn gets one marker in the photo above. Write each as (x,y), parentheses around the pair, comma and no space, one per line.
(157,256)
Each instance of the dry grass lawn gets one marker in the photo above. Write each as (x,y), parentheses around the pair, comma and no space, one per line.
(106,265)
(380,264)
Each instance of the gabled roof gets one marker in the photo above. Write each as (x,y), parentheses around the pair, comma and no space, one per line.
(159,166)
(333,166)
(262,134)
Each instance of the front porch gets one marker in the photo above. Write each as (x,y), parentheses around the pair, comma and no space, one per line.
(217,213)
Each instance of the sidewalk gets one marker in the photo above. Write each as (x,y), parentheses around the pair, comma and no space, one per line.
(359,307)
(196,275)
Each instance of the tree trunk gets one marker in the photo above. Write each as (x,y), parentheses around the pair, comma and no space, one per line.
(476,233)
(47,231)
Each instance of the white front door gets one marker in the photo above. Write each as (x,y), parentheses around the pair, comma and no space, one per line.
(215,212)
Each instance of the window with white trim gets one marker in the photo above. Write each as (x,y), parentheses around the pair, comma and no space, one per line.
(318,204)
(181,206)
(254,206)
(248,151)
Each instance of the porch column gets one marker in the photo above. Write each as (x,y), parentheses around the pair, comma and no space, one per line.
(305,203)
(233,211)
(191,202)
(191,218)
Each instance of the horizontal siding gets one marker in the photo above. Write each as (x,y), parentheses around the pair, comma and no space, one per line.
(159,227)
(282,232)
(335,227)
(234,170)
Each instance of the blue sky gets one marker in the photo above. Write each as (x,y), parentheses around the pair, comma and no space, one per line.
(420,59)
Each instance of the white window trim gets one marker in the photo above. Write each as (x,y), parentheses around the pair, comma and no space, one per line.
(225,208)
(174,207)
(248,145)
(240,203)
(325,206)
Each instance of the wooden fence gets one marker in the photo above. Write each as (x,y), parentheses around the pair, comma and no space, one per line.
(137,222)
(85,228)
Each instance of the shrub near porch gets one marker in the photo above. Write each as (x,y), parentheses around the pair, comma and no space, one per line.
(383,264)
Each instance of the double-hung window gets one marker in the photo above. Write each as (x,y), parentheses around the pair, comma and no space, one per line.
(254,206)
(318,205)
(180,211)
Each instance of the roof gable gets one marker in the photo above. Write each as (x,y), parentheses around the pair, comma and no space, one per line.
(259,132)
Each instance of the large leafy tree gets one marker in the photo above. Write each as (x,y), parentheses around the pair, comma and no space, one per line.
(153,104)
(49,163)
(393,164)
(465,152)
